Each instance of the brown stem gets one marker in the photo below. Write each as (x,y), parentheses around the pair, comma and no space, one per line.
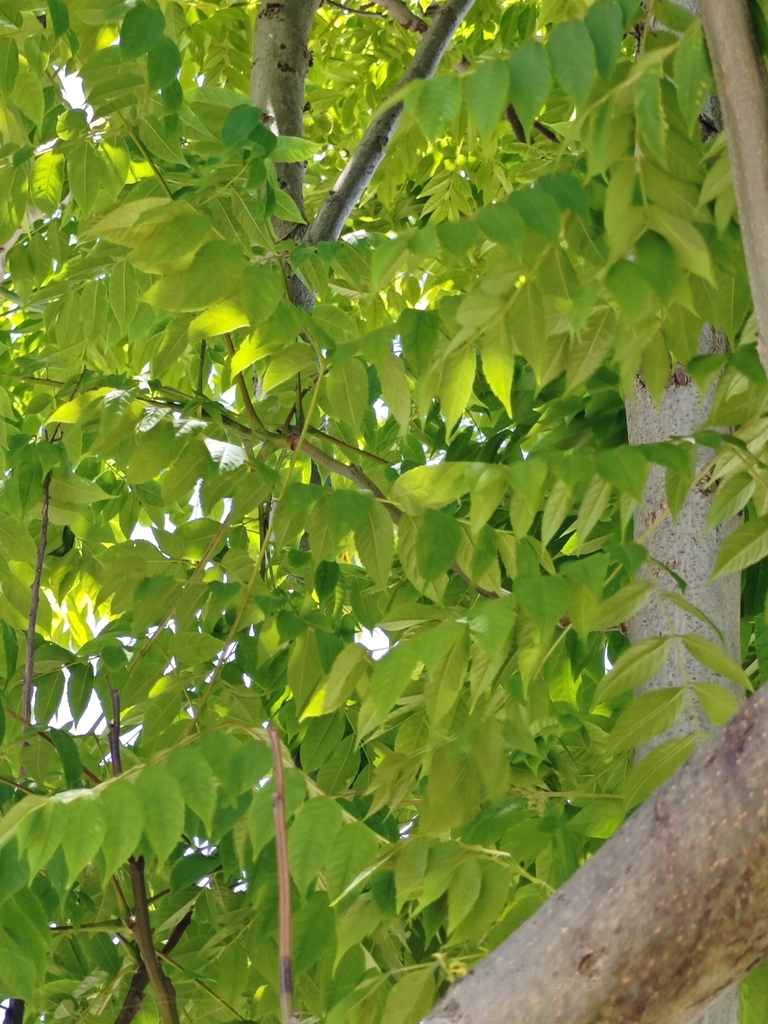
(283,881)
(29,663)
(135,996)
(142,930)
(517,126)
(114,733)
(242,387)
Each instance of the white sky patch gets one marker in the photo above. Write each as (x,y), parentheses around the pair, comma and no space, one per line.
(377,642)
(73,91)
(381,409)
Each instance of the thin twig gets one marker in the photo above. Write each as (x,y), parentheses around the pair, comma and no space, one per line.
(148,157)
(29,663)
(114,733)
(244,393)
(201,368)
(355,10)
(283,881)
(142,930)
(517,126)
(19,785)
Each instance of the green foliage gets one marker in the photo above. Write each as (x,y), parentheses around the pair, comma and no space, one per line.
(242,491)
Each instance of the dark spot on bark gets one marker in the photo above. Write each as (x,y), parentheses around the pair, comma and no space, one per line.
(452,1011)
(282,46)
(586,962)
(286,67)
(738,734)
(271,10)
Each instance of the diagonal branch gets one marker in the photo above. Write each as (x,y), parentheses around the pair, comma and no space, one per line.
(356,176)
(29,661)
(403,15)
(142,930)
(140,981)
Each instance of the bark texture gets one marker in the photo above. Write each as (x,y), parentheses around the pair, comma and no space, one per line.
(666,917)
(742,84)
(684,547)
(281,60)
(689,551)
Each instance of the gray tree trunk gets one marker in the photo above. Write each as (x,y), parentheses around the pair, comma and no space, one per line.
(689,551)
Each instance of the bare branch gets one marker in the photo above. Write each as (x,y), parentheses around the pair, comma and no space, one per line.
(140,981)
(403,15)
(142,930)
(283,882)
(364,163)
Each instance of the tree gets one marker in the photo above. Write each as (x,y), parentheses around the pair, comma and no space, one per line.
(320,516)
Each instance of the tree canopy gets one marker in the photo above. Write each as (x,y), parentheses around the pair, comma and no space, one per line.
(364,479)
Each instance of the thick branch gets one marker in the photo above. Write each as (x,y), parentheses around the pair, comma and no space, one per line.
(403,15)
(742,84)
(140,981)
(364,163)
(664,918)
(142,930)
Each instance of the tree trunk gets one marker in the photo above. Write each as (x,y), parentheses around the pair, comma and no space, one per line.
(665,918)
(689,551)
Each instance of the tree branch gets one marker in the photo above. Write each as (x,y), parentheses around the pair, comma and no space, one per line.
(403,15)
(114,733)
(140,981)
(29,662)
(517,126)
(364,163)
(742,85)
(14,1013)
(283,881)
(662,920)
(142,930)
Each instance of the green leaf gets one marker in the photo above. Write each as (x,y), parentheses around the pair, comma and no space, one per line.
(9,64)
(529,82)
(66,748)
(437,543)
(438,103)
(731,497)
(621,606)
(163,63)
(573,58)
(649,112)
(693,75)
(287,364)
(15,542)
(545,598)
(122,813)
(463,892)
(375,543)
(77,490)
(40,832)
(336,689)
(411,997)
(624,467)
(141,30)
(47,177)
(747,545)
(123,293)
(502,223)
(605,23)
(656,768)
(163,808)
(193,774)
(634,666)
(310,839)
(347,386)
(353,847)
(711,656)
(86,174)
(85,829)
(212,276)
(646,717)
(716,702)
(22,953)
(486,91)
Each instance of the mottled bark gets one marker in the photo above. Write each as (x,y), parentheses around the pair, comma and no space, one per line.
(742,84)
(665,918)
